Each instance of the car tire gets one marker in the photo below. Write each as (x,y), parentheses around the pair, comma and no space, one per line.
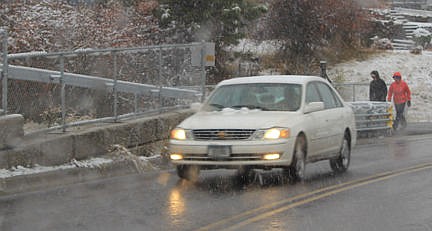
(245,173)
(297,170)
(342,162)
(188,172)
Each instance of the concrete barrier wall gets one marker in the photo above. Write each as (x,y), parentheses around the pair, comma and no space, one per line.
(11,130)
(59,148)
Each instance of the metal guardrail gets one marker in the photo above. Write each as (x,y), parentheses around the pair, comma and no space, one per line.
(94,82)
(368,122)
(157,88)
(373,116)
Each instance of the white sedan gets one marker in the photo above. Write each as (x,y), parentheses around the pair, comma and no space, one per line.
(266,122)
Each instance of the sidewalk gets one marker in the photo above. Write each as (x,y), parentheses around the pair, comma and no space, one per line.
(122,162)
(412,129)
(416,128)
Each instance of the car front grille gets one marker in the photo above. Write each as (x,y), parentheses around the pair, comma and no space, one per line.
(222,134)
(232,157)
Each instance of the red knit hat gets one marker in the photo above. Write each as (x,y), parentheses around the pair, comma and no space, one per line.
(397,74)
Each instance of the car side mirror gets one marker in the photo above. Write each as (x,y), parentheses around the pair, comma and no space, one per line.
(313,107)
(195,107)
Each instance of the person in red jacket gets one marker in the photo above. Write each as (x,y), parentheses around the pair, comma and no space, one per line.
(401,95)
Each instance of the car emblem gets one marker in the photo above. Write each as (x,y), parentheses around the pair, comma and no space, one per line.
(221,135)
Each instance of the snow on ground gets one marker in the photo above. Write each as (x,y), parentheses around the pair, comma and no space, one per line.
(249,46)
(96,162)
(416,70)
(20,170)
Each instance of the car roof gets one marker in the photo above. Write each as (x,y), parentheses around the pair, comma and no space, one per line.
(296,79)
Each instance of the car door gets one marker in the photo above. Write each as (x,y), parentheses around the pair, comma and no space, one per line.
(333,117)
(315,122)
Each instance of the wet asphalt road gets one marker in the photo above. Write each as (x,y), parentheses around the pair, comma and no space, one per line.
(388,187)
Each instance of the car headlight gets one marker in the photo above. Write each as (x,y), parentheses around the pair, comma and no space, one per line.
(180,134)
(272,134)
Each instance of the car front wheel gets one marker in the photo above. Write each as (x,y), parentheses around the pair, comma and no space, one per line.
(297,170)
(188,172)
(341,163)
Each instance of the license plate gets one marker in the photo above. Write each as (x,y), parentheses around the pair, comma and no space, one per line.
(219,151)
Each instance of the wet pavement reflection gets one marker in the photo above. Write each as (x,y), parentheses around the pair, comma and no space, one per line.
(176,206)
(399,148)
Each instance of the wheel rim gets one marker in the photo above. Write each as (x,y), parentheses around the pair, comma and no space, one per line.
(300,162)
(345,154)
(300,168)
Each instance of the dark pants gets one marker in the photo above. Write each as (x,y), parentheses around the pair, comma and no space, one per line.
(400,118)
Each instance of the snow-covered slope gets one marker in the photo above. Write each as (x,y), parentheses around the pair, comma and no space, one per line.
(416,70)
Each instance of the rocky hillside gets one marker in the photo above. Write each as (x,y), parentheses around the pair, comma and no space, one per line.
(50,25)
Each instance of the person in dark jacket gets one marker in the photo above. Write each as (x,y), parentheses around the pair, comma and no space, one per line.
(377,88)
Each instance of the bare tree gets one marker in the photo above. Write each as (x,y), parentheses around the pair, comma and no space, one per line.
(305,28)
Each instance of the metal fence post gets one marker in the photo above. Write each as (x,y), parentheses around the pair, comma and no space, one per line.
(203,73)
(115,86)
(160,80)
(62,93)
(354,93)
(4,34)
(135,103)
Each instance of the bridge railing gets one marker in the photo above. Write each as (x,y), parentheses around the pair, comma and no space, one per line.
(61,89)
(372,117)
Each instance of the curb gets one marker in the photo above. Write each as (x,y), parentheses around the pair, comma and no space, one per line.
(43,180)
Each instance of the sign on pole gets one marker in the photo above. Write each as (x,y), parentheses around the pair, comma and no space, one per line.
(204,55)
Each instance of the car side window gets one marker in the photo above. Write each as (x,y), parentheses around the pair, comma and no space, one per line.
(337,99)
(312,94)
(327,95)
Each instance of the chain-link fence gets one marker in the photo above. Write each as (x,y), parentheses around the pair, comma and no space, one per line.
(353,91)
(66,88)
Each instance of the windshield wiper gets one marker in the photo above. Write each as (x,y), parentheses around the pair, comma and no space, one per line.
(250,106)
(218,106)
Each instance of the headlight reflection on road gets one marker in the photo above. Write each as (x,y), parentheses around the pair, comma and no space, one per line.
(176,205)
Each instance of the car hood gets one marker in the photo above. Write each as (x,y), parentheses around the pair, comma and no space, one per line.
(240,119)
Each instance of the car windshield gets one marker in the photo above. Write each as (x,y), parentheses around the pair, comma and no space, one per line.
(263,96)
